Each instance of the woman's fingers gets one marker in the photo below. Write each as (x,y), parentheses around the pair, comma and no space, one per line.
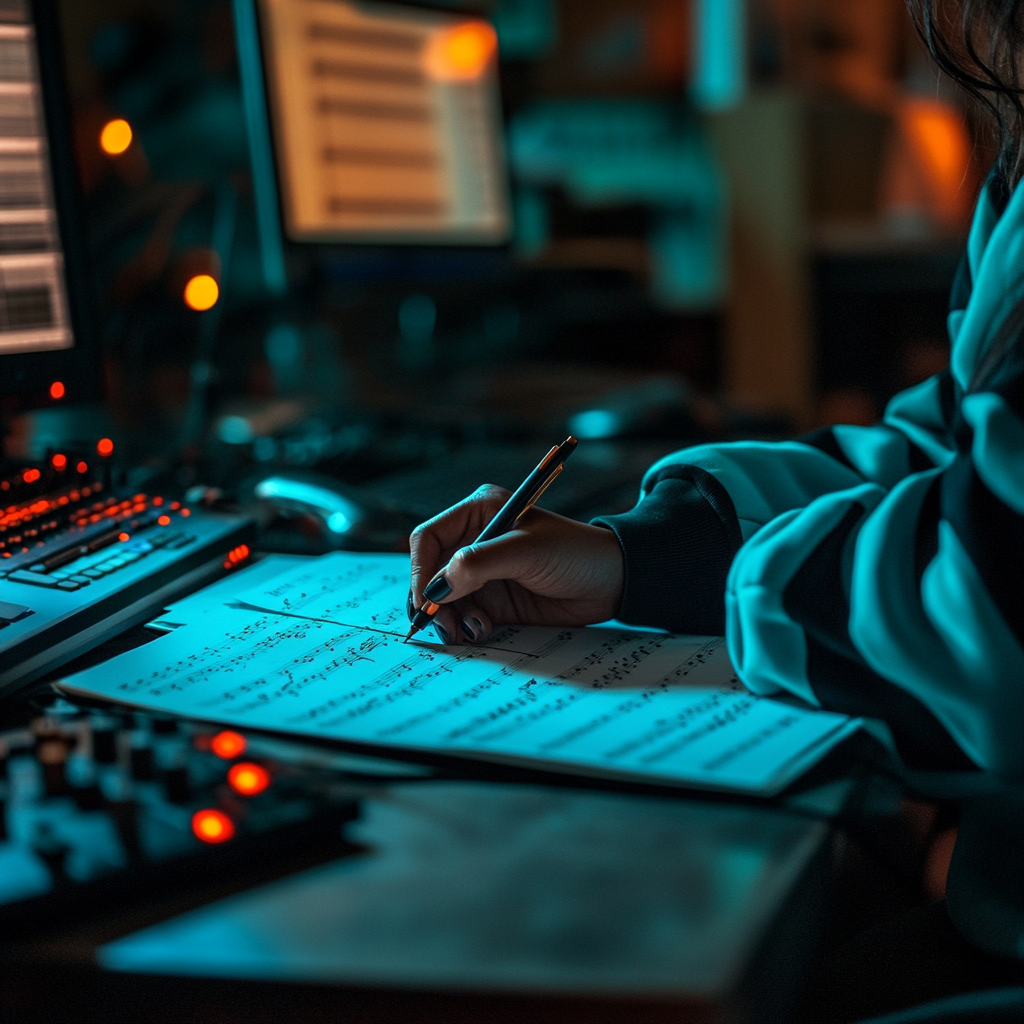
(514,556)
(446,625)
(474,624)
(432,543)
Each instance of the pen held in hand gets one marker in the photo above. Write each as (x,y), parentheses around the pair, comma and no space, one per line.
(524,498)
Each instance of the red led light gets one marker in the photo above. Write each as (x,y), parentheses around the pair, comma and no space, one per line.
(104,446)
(60,461)
(186,512)
(81,468)
(57,389)
(228,744)
(30,476)
(164,520)
(248,779)
(122,537)
(212,826)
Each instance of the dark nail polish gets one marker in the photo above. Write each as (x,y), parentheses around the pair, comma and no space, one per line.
(477,624)
(410,608)
(468,629)
(438,590)
(442,633)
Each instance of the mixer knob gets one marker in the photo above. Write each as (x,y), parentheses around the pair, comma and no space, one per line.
(141,756)
(52,754)
(104,741)
(84,783)
(51,848)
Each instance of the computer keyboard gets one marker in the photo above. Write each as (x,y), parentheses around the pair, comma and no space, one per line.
(600,478)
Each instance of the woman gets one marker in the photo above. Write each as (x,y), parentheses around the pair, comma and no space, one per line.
(877,571)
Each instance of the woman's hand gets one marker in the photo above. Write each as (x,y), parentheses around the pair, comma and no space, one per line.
(549,570)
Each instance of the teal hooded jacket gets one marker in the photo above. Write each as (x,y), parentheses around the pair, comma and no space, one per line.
(877,571)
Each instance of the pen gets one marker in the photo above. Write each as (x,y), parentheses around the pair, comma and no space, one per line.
(524,498)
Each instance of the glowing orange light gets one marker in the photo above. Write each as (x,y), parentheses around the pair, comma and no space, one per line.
(462,52)
(201,292)
(59,461)
(30,476)
(212,826)
(122,537)
(228,744)
(248,779)
(164,520)
(104,446)
(158,500)
(186,512)
(81,468)
(116,136)
(57,389)
(238,554)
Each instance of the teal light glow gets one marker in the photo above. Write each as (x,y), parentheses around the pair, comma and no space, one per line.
(720,53)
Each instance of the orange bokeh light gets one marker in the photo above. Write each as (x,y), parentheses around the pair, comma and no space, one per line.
(248,779)
(122,537)
(212,826)
(462,52)
(228,744)
(59,461)
(201,292)
(164,520)
(30,476)
(82,468)
(104,446)
(57,389)
(116,137)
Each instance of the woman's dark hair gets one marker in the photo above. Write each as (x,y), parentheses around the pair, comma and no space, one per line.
(980,45)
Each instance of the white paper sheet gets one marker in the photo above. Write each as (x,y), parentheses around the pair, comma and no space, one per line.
(317,650)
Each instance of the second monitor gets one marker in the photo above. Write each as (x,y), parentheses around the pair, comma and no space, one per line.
(386,123)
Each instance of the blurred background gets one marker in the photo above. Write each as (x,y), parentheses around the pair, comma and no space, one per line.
(730,218)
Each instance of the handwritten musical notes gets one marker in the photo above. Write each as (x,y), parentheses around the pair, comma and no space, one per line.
(317,649)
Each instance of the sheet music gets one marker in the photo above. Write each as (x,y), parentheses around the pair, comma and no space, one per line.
(317,650)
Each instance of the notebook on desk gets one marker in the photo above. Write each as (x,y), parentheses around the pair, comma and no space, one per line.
(317,649)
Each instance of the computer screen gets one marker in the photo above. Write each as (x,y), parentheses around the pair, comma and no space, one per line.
(45,348)
(33,299)
(386,123)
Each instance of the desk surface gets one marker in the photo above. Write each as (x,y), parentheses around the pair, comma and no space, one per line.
(520,890)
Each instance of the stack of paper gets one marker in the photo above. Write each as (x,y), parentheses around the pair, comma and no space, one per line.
(316,648)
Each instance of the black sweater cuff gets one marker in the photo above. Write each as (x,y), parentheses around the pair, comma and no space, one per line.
(678,543)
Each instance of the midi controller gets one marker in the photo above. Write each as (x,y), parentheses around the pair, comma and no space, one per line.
(81,562)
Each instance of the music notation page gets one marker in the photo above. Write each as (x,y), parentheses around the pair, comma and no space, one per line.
(318,650)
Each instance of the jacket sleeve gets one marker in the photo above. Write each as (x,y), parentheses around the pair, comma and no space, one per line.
(698,506)
(905,604)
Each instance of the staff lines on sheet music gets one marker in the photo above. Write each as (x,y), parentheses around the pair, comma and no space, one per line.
(223,656)
(246,606)
(268,687)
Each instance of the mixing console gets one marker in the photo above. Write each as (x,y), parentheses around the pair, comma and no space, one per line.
(96,807)
(79,562)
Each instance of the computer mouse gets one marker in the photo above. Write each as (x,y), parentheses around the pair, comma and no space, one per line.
(328,514)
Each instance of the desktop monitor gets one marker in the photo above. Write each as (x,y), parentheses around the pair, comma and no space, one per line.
(44,352)
(385,122)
